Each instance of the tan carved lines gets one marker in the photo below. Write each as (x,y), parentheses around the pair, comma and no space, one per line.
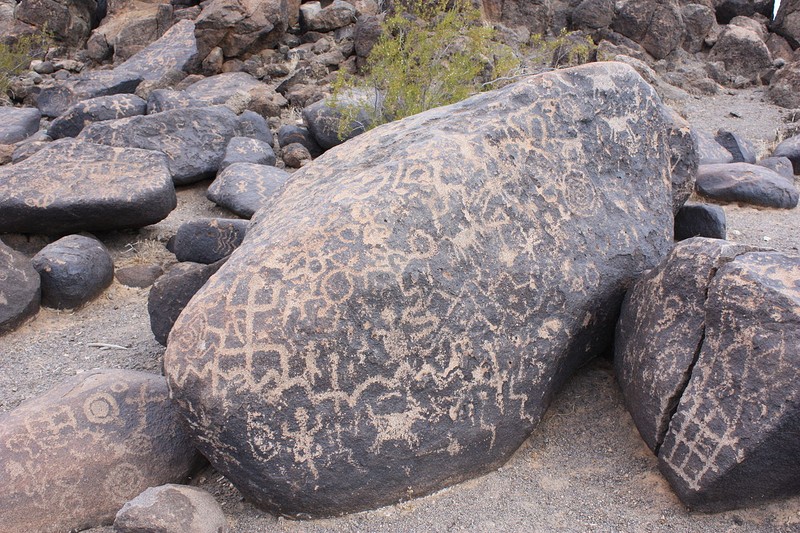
(305,447)
(101,408)
(396,426)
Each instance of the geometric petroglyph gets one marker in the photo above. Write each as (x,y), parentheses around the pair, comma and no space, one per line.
(175,50)
(75,185)
(733,438)
(208,240)
(402,311)
(245,187)
(97,109)
(71,458)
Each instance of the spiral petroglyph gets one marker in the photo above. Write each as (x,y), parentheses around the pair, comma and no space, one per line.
(400,314)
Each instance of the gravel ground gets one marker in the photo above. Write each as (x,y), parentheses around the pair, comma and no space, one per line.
(584,469)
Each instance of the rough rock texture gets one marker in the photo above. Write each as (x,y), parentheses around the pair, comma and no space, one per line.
(74,186)
(244,188)
(175,50)
(461,264)
(535,15)
(699,21)
(743,52)
(660,330)
(295,155)
(172,291)
(700,220)
(656,25)
(335,15)
(56,98)
(784,88)
(790,148)
(709,150)
(237,26)
(97,109)
(288,134)
(167,99)
(323,122)
(593,14)
(740,148)
(782,165)
(247,150)
(139,276)
(74,270)
(20,291)
(71,458)
(728,9)
(171,509)
(207,241)
(684,160)
(748,184)
(707,354)
(70,21)
(787,22)
(18,123)
(193,139)
(220,89)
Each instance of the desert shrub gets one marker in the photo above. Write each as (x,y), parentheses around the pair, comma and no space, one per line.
(430,54)
(16,56)
(567,49)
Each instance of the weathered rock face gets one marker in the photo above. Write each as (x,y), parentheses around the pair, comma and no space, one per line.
(97,109)
(658,26)
(781,165)
(129,30)
(746,183)
(700,220)
(194,139)
(399,317)
(740,148)
(247,150)
(20,289)
(73,186)
(18,123)
(790,149)
(743,52)
(684,160)
(593,14)
(208,240)
(699,20)
(787,22)
(74,270)
(237,26)
(336,15)
(175,50)
(712,336)
(71,458)
(534,14)
(784,88)
(244,188)
(709,150)
(69,20)
(172,509)
(55,99)
(728,9)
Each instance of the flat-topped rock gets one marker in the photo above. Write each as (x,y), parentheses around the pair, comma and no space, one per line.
(18,123)
(244,188)
(193,139)
(790,149)
(746,183)
(73,185)
(219,89)
(56,98)
(97,109)
(175,50)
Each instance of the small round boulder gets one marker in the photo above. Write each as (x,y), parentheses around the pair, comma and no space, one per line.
(74,270)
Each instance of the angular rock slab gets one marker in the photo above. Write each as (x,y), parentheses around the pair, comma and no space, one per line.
(18,123)
(172,509)
(710,151)
(97,109)
(700,220)
(175,50)
(71,458)
(732,440)
(399,316)
(790,148)
(74,186)
(20,289)
(55,99)
(244,188)
(746,183)
(194,139)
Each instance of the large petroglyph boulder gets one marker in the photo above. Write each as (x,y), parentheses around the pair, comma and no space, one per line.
(71,458)
(74,186)
(398,318)
(194,139)
(707,355)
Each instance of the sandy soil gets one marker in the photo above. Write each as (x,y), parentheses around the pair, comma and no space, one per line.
(584,469)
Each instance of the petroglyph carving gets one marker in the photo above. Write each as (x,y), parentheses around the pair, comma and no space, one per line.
(400,314)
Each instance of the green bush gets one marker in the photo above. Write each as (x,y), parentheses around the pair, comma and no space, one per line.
(16,57)
(432,54)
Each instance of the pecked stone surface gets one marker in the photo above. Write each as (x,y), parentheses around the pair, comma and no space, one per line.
(175,50)
(71,458)
(193,139)
(398,318)
(72,186)
(733,439)
(97,109)
(57,97)
(20,289)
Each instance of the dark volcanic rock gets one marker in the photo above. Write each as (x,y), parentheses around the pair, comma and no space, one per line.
(295,155)
(172,509)
(74,186)
(69,21)
(74,270)
(335,15)
(55,99)
(323,120)
(740,148)
(745,183)
(254,126)
(244,188)
(193,139)
(237,26)
(699,21)
(710,151)
(743,52)
(172,291)
(422,292)
(787,22)
(97,109)
(207,241)
(18,123)
(175,50)
(656,25)
(784,87)
(71,458)
(139,276)
(288,134)
(20,291)
(593,14)
(714,330)
(219,89)
(700,220)
(684,160)
(790,148)
(167,99)
(660,331)
(782,165)
(247,150)
(728,9)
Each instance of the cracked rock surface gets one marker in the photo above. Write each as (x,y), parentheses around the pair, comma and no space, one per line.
(706,355)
